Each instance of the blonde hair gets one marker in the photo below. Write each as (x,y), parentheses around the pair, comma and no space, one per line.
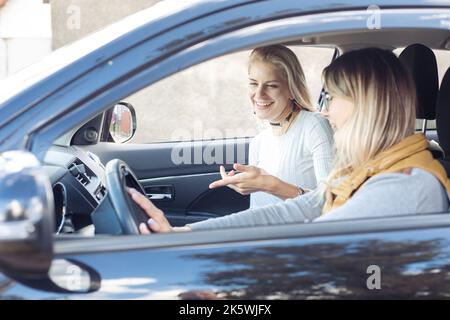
(287,63)
(384,100)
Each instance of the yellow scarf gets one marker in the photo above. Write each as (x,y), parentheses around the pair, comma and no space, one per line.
(411,152)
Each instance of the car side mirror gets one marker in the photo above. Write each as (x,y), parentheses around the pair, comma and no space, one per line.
(123,122)
(26,216)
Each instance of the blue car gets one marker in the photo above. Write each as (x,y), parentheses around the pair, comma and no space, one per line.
(68,229)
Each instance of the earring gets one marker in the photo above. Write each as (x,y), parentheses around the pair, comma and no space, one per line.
(295,105)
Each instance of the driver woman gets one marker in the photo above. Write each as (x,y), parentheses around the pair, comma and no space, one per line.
(382,168)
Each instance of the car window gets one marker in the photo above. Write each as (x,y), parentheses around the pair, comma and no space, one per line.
(210,101)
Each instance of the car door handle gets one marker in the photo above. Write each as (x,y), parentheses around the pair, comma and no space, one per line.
(159,196)
(159,192)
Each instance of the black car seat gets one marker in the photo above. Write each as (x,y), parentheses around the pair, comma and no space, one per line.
(421,62)
(443,120)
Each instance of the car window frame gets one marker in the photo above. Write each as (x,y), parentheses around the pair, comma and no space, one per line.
(106,137)
(73,244)
(171,67)
(50,130)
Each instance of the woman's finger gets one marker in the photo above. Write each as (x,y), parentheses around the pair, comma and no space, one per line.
(222,171)
(161,223)
(224,182)
(143,229)
(142,200)
(233,187)
(242,167)
(154,226)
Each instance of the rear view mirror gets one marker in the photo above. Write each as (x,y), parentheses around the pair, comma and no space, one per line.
(26,216)
(123,122)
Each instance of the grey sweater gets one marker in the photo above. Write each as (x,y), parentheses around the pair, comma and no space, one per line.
(388,194)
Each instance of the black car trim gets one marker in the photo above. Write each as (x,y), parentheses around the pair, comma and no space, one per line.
(78,245)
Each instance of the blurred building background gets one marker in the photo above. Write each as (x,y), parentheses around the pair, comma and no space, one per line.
(31,29)
(74,19)
(25,34)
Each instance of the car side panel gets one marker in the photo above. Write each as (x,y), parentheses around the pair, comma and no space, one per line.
(400,264)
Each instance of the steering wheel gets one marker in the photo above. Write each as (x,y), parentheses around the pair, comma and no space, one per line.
(118,177)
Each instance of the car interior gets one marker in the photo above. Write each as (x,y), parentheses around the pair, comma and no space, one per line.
(76,162)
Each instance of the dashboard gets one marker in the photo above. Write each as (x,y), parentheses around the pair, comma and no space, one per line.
(78,182)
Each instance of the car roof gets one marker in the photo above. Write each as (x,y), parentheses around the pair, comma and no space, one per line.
(384,38)
(66,55)
(170,13)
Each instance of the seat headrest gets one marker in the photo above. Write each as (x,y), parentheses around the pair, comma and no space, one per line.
(421,62)
(443,114)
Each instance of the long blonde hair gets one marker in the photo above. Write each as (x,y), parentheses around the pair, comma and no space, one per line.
(384,100)
(287,63)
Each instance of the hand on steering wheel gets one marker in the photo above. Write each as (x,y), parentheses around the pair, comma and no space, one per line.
(157,221)
(119,178)
(132,208)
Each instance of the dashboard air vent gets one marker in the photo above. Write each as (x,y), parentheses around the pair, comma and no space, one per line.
(78,170)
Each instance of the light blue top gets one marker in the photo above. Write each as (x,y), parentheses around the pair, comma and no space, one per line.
(384,195)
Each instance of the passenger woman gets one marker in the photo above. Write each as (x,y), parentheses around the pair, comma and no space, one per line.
(296,151)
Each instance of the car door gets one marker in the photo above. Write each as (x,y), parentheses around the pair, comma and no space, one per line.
(402,257)
(329,257)
(182,191)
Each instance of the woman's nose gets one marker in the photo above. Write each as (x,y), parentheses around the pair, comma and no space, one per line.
(259,91)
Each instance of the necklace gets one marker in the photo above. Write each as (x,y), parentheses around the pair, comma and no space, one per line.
(278,124)
(280,128)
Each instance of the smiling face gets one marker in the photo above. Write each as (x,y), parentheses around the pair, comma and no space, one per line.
(339,111)
(268,91)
